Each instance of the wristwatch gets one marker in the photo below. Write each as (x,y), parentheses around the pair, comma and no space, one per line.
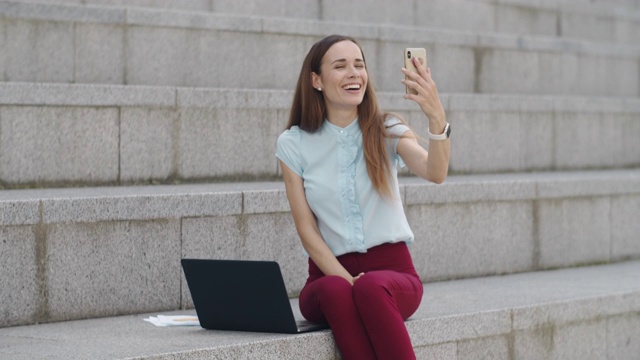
(444,136)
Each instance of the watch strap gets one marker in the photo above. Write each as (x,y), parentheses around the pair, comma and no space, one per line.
(444,136)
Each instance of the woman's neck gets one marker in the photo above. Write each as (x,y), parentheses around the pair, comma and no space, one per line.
(342,117)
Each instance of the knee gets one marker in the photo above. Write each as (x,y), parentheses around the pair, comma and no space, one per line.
(370,287)
(331,290)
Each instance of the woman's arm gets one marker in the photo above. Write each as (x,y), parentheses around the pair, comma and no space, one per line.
(432,165)
(307,227)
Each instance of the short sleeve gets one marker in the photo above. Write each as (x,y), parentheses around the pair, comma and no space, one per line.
(396,129)
(288,149)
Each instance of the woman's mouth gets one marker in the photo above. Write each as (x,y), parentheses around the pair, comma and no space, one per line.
(352,87)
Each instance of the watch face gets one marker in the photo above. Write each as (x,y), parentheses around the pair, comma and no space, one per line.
(448,130)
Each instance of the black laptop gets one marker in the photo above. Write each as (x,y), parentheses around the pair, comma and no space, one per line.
(242,295)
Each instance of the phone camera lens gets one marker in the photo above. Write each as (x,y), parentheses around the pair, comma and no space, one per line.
(409,54)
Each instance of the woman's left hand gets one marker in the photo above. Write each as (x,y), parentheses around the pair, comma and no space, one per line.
(427,92)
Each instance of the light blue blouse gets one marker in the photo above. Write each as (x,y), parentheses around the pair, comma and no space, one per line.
(351,215)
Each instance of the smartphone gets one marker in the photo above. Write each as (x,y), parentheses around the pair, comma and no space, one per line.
(409,54)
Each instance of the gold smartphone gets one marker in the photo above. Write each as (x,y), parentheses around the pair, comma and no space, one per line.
(409,54)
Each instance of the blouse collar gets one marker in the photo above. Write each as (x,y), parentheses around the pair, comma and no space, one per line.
(352,129)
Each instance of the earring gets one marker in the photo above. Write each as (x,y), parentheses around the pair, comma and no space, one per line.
(319,89)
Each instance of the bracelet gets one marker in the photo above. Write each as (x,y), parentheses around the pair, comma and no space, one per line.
(444,136)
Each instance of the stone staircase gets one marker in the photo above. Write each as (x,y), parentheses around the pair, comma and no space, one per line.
(134,133)
(138,46)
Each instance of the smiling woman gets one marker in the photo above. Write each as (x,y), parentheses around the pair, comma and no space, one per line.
(339,156)
(343,79)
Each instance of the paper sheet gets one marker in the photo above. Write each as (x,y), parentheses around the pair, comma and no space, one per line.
(173,320)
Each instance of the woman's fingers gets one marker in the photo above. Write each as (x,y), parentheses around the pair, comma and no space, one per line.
(422,79)
(412,84)
(412,75)
(420,66)
(422,86)
(423,71)
(356,278)
(427,92)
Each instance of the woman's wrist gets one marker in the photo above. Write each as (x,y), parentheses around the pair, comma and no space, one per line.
(437,124)
(437,118)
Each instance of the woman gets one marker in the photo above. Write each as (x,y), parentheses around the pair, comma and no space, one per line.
(339,157)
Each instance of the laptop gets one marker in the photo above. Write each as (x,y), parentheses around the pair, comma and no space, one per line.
(242,295)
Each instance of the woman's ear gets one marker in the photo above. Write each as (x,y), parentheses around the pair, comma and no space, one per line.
(316,82)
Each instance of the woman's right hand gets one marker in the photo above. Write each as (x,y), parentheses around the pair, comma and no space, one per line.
(353,279)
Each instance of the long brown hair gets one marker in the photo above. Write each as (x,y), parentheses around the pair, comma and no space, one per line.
(308,112)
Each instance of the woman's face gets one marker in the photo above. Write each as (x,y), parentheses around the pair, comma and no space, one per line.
(344,76)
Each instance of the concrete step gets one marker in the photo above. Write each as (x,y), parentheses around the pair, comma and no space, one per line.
(605,21)
(580,313)
(70,134)
(137,46)
(89,252)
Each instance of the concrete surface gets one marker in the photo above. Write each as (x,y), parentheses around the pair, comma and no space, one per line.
(601,20)
(85,242)
(561,314)
(56,134)
(176,48)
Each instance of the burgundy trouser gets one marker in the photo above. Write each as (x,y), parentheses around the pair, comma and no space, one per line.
(367,319)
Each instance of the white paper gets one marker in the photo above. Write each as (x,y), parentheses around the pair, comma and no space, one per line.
(173,320)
